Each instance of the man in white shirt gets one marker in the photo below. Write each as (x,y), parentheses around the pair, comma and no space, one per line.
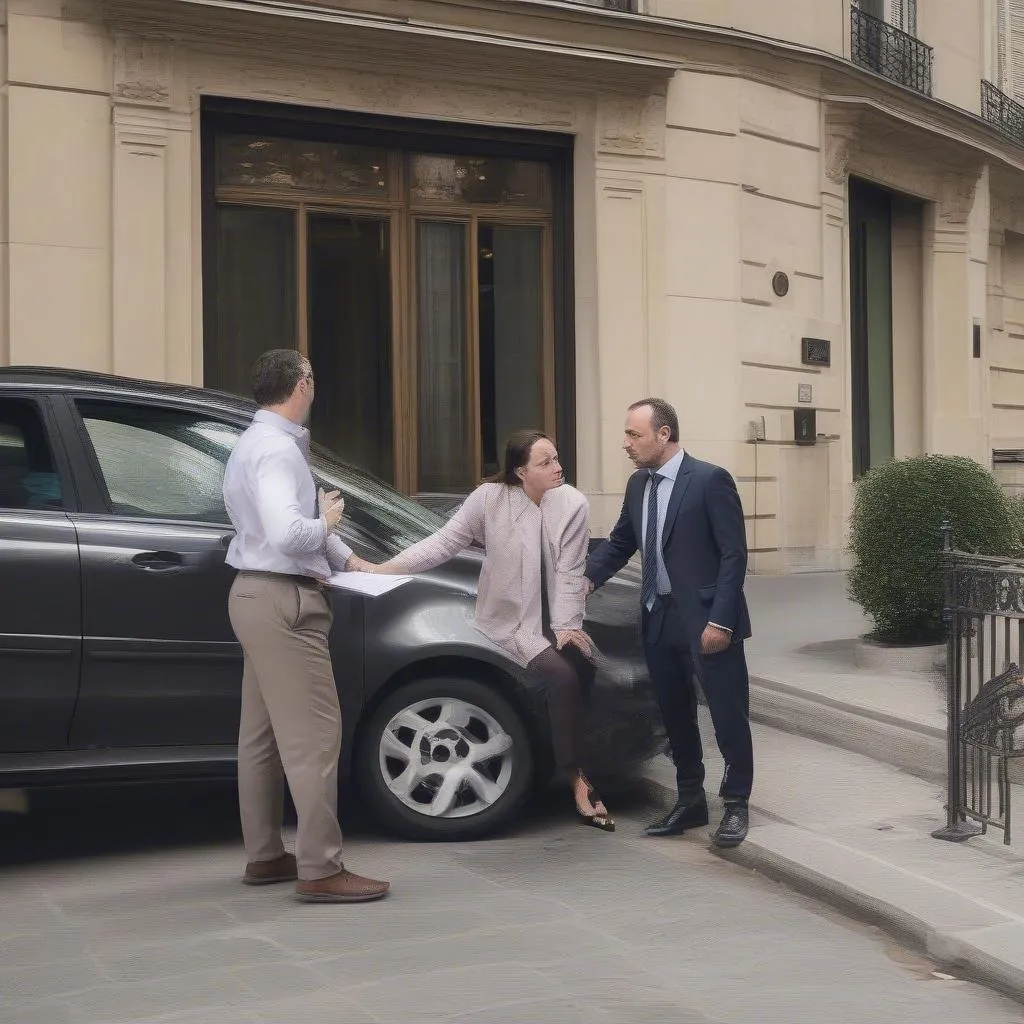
(284,547)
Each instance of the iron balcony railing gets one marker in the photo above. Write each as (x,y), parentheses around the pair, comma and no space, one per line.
(890,52)
(1004,113)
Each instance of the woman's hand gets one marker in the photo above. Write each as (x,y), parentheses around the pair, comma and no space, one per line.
(577,638)
(357,564)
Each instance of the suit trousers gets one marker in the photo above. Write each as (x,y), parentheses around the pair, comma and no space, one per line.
(291,720)
(726,685)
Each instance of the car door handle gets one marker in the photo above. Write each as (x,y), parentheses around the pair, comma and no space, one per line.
(159,561)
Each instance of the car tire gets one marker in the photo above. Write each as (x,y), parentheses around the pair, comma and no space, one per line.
(445,758)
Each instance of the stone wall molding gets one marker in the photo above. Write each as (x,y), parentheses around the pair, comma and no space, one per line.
(629,125)
(143,69)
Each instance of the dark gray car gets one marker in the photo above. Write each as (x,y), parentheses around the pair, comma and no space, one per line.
(117,660)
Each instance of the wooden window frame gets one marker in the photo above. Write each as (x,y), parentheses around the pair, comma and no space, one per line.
(402,139)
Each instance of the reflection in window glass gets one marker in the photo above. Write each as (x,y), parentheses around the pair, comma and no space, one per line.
(157,463)
(28,477)
(167,464)
(253,161)
(466,179)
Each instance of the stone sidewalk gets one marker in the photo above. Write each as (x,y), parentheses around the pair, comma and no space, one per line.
(125,907)
(850,819)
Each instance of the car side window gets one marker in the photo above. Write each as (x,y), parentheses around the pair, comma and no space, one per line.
(161,463)
(28,474)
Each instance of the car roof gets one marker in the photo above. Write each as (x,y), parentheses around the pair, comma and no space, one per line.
(47,378)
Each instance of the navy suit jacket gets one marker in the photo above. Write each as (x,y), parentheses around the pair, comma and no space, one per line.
(704,546)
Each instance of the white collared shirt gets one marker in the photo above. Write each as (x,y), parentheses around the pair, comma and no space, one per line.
(271,499)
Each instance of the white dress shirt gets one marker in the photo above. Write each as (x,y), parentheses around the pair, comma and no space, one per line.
(271,498)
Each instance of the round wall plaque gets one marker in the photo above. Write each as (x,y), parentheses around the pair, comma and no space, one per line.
(780,284)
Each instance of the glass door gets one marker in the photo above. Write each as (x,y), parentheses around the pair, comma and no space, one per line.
(255,301)
(349,337)
(483,346)
(871,326)
(420,285)
(511,316)
(443,379)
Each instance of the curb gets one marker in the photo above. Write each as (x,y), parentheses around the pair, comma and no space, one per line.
(956,931)
(915,747)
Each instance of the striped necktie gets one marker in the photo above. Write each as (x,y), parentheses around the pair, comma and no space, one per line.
(649,586)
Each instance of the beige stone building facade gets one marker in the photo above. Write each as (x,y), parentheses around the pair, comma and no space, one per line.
(801,222)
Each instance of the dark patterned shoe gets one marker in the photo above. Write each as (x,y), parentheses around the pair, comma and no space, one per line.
(687,814)
(733,829)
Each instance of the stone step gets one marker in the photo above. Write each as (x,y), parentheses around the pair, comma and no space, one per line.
(916,745)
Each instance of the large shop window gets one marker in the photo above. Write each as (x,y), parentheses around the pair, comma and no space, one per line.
(420,284)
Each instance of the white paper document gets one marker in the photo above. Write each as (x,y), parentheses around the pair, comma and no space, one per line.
(367,583)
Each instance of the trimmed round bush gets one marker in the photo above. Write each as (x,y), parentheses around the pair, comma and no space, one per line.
(896,539)
(1017,505)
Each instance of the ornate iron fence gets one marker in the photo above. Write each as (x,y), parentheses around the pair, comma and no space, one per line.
(1005,113)
(984,613)
(890,51)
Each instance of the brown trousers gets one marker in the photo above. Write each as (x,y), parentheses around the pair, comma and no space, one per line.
(291,720)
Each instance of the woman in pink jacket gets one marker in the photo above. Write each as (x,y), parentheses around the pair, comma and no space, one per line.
(534,529)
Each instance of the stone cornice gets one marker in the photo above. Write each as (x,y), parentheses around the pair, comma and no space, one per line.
(372,40)
(540,28)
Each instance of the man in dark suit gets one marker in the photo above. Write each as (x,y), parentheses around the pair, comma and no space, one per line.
(685,516)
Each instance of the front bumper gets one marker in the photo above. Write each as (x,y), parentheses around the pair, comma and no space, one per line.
(623,725)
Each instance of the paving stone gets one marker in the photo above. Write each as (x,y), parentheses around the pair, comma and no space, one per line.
(437,995)
(28,985)
(155,960)
(553,923)
(158,997)
(40,1013)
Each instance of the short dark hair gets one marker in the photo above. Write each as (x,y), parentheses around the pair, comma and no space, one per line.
(517,454)
(662,415)
(276,374)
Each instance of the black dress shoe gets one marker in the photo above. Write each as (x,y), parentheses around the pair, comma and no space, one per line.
(691,813)
(733,829)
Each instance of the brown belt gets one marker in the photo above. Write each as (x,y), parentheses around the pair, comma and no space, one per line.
(306,581)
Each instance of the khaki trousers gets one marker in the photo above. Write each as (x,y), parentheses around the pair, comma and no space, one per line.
(291,720)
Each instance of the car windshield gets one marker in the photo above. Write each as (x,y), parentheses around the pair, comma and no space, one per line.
(378,522)
(376,515)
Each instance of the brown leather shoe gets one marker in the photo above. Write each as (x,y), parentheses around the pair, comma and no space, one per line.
(267,872)
(344,887)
